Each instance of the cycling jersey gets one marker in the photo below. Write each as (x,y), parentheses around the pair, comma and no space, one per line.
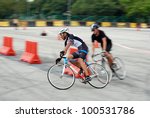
(99,39)
(78,43)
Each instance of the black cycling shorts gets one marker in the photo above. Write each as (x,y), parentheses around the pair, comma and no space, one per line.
(108,48)
(79,54)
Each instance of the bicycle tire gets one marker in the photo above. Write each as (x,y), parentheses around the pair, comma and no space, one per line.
(103,61)
(105,64)
(120,70)
(59,81)
(98,81)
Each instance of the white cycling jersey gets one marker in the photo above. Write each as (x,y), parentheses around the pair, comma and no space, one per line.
(75,41)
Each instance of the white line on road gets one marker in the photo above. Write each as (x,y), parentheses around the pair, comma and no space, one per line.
(134,49)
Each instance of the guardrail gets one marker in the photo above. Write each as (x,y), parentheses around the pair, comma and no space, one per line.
(57,23)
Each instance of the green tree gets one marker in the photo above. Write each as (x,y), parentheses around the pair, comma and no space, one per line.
(95,7)
(137,8)
(134,9)
(54,7)
(11,7)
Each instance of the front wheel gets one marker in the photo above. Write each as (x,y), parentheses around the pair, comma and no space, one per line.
(99,76)
(57,77)
(119,68)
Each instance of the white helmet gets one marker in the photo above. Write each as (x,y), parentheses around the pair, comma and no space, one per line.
(64,30)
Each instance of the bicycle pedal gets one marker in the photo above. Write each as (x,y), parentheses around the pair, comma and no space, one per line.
(113,75)
(84,82)
(112,70)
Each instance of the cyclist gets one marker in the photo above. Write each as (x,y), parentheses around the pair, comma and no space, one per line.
(80,55)
(105,42)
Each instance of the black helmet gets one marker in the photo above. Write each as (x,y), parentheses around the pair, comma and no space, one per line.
(94,26)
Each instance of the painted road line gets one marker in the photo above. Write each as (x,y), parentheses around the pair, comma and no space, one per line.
(133,49)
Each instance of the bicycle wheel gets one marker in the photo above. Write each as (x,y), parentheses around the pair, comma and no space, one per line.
(119,68)
(58,79)
(105,64)
(98,75)
(103,61)
(97,58)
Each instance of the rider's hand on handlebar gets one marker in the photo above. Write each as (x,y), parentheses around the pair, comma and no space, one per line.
(58,60)
(62,53)
(92,55)
(103,52)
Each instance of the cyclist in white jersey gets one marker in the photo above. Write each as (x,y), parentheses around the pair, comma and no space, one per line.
(80,55)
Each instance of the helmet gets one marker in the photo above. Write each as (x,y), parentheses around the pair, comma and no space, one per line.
(94,26)
(64,30)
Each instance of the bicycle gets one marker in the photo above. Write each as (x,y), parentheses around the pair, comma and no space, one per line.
(118,68)
(58,79)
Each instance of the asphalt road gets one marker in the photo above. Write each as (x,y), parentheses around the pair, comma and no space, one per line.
(22,81)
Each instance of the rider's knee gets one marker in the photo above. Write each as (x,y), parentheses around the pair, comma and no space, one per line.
(70,56)
(108,55)
(80,60)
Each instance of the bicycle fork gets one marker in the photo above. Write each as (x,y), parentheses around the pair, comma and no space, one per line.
(63,71)
(64,67)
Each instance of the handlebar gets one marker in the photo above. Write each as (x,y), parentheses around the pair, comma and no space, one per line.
(59,59)
(97,58)
(102,54)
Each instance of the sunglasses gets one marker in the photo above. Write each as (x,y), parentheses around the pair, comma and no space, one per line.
(61,34)
(93,29)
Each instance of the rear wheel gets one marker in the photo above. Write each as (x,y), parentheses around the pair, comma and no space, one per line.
(57,77)
(98,75)
(119,68)
(105,64)
(103,61)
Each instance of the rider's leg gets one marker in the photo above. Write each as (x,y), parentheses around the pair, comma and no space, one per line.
(83,66)
(110,58)
(81,57)
(109,55)
(76,63)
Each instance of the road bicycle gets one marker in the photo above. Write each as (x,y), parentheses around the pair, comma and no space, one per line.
(58,79)
(118,68)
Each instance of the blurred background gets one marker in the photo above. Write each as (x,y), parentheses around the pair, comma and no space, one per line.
(21,81)
(80,10)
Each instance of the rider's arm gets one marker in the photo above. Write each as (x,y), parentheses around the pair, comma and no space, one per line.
(104,40)
(104,43)
(93,48)
(67,46)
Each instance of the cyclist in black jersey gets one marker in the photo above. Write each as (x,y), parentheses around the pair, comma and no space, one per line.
(105,42)
(71,40)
